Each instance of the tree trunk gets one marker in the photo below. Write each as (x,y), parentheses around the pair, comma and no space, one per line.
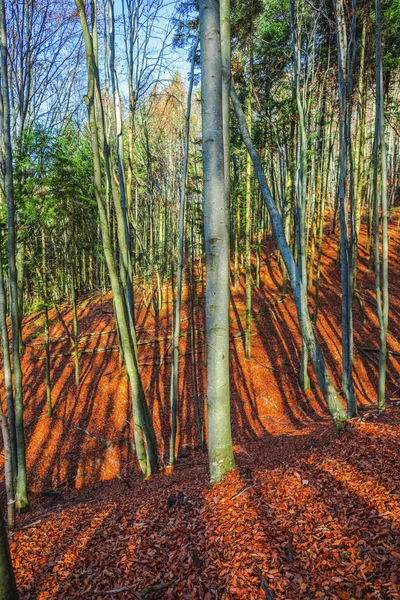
(177,321)
(8,373)
(20,485)
(248,215)
(145,439)
(8,588)
(381,201)
(346,199)
(300,295)
(301,188)
(8,471)
(216,233)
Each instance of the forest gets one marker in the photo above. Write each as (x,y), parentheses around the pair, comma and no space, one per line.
(200,299)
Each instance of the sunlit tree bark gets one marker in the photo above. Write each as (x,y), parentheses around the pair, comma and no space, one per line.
(216,233)
(300,295)
(20,483)
(381,205)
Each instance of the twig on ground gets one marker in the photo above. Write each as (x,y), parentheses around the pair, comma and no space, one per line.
(244,490)
(86,432)
(150,589)
(270,368)
(269,594)
(396,379)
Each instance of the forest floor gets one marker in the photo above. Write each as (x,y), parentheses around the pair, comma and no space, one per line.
(307,514)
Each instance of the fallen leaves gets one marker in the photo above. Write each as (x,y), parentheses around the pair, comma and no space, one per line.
(307,515)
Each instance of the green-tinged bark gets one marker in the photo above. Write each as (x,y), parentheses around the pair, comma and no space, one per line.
(20,483)
(248,215)
(301,186)
(216,233)
(181,239)
(346,54)
(381,202)
(7,372)
(332,399)
(145,439)
(8,471)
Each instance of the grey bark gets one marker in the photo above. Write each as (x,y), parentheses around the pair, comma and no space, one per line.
(20,483)
(216,233)
(346,54)
(301,185)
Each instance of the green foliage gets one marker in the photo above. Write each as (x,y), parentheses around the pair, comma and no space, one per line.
(54,195)
(391,34)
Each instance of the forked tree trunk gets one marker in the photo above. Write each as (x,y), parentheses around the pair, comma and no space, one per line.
(145,439)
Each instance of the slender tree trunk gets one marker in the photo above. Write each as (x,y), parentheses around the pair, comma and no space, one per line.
(20,485)
(8,471)
(20,266)
(360,147)
(216,233)
(181,240)
(7,373)
(145,439)
(346,198)
(300,295)
(119,195)
(75,335)
(301,189)
(248,204)
(381,202)
(46,326)
(199,419)
(8,588)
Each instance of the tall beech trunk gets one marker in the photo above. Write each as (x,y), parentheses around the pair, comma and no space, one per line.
(334,404)
(20,266)
(20,483)
(145,439)
(301,186)
(120,195)
(346,55)
(216,234)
